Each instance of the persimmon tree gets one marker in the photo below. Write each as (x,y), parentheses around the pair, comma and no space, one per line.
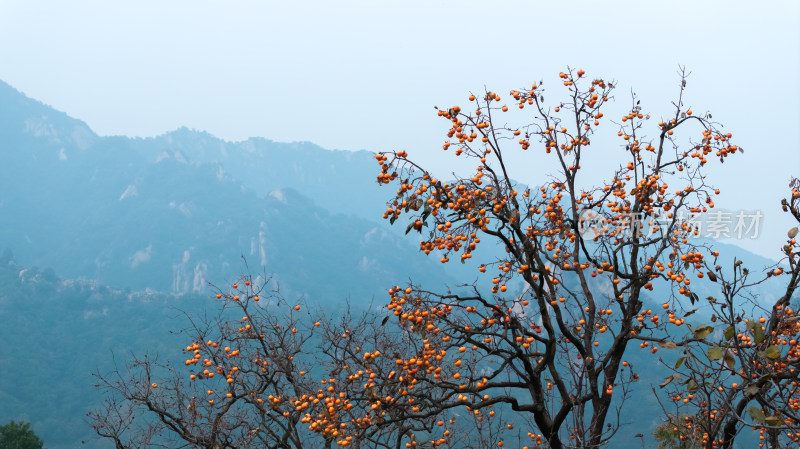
(233,389)
(267,373)
(746,375)
(588,249)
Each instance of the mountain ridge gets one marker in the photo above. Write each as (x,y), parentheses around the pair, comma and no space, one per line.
(109,208)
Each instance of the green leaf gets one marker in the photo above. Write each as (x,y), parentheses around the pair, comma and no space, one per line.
(703,331)
(729,360)
(763,379)
(667,344)
(773,421)
(714,353)
(773,352)
(730,332)
(679,362)
(425,214)
(757,414)
(758,334)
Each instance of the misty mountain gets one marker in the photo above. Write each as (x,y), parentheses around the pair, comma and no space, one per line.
(174,212)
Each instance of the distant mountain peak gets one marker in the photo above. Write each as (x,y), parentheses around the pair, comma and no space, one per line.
(22,114)
(186,132)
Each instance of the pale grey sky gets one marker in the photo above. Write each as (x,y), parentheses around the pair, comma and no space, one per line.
(366,74)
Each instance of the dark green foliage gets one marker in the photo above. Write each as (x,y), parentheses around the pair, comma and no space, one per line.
(19,435)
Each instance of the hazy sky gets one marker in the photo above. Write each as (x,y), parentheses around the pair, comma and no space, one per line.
(366,75)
